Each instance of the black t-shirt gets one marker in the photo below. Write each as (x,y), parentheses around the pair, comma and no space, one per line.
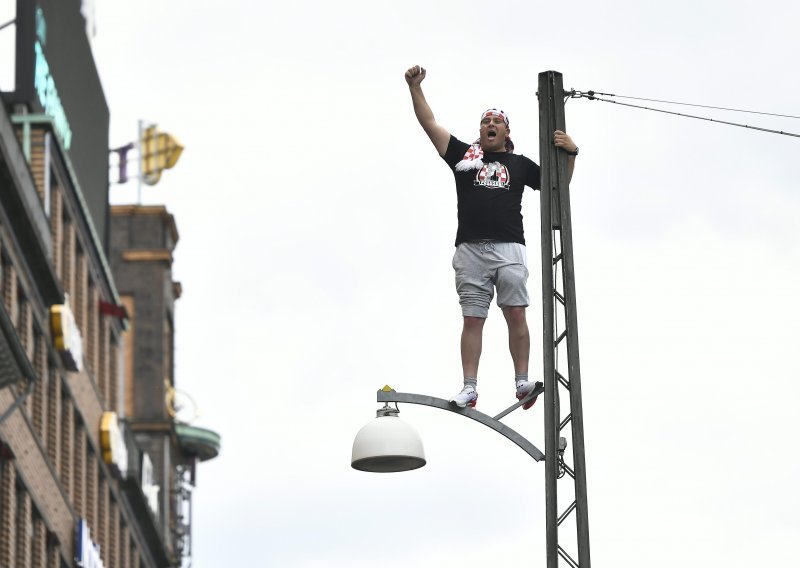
(490,198)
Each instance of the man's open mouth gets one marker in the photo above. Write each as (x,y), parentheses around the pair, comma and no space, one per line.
(491,134)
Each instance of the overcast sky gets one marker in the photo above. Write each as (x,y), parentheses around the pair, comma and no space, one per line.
(317,227)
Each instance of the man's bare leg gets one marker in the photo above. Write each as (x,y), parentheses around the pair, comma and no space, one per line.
(471,345)
(519,343)
(519,340)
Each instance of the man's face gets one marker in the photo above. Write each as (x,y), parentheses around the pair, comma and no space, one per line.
(493,133)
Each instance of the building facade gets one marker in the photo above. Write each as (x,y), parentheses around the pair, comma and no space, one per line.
(96,468)
(142,240)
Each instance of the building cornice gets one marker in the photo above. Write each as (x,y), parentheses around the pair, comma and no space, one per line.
(155,210)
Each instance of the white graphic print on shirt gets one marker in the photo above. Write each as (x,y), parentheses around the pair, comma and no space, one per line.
(494,175)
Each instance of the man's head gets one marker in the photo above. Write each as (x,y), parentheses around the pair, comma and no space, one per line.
(495,132)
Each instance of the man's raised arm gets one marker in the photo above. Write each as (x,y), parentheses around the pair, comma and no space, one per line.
(437,133)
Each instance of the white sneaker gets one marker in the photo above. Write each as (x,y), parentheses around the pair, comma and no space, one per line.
(524,389)
(467,397)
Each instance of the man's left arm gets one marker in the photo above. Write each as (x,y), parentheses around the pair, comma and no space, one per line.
(563,141)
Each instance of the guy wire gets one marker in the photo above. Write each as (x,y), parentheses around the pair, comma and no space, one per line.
(591,95)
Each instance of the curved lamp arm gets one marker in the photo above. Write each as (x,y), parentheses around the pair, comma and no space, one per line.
(485,419)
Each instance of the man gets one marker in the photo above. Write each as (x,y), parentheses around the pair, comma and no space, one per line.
(490,243)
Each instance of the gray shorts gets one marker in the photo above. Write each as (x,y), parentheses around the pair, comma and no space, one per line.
(483,265)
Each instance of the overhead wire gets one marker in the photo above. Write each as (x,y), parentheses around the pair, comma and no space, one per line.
(592,95)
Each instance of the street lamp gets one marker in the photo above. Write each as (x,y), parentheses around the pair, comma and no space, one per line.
(387,445)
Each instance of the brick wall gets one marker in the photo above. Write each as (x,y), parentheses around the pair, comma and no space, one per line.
(53,473)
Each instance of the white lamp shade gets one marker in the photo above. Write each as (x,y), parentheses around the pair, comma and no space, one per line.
(387,444)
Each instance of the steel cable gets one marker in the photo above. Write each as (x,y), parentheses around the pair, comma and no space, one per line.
(592,96)
(593,93)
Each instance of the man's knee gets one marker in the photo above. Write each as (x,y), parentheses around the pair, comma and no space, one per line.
(473,323)
(515,316)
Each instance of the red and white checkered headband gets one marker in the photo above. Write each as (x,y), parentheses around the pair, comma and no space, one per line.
(496,112)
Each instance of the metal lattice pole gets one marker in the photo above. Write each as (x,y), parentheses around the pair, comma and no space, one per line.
(556,242)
